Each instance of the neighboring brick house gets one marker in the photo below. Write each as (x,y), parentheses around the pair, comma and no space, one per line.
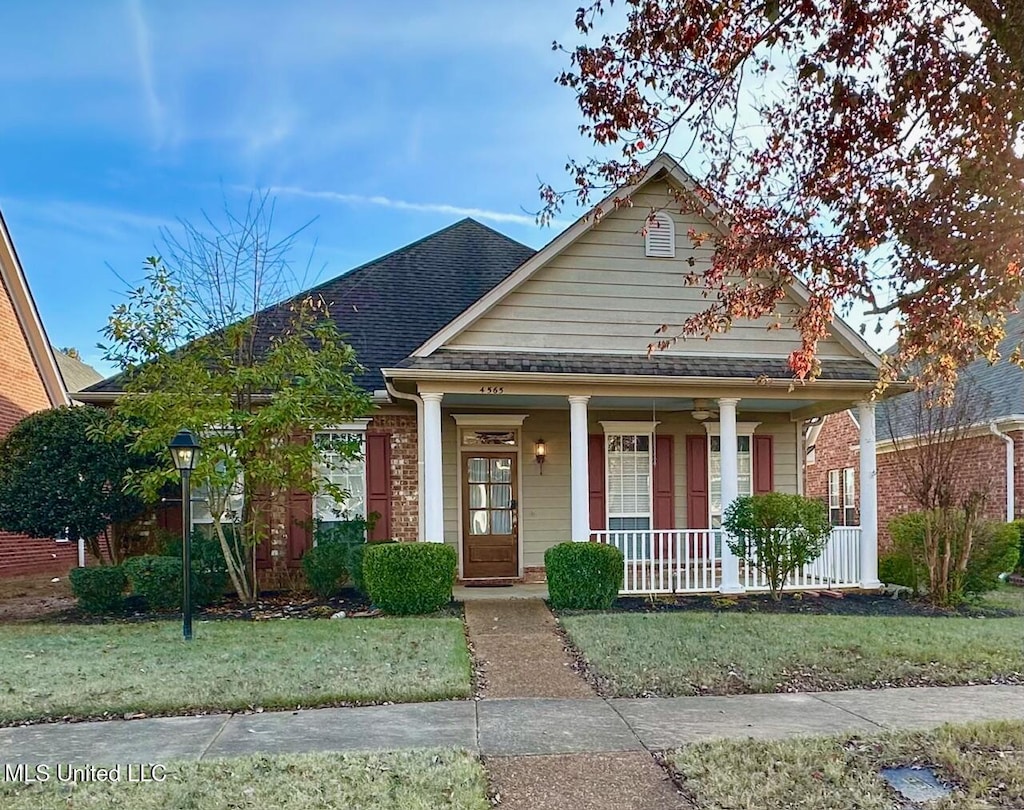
(990,451)
(31,382)
(517,405)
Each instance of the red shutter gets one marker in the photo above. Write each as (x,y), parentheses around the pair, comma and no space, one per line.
(697,482)
(664,496)
(595,457)
(300,525)
(764,480)
(378,483)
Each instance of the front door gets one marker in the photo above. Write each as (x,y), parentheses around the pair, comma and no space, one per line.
(490,523)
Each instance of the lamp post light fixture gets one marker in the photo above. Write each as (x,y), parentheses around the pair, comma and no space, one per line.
(185,451)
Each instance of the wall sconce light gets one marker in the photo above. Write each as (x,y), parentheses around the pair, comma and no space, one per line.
(540,452)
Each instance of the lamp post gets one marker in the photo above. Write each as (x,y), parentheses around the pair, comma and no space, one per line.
(185,451)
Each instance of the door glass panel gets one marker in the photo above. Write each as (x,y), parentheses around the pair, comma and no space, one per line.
(478,521)
(501,469)
(501,522)
(477,496)
(478,470)
(501,496)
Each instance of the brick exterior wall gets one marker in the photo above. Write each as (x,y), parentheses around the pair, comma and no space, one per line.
(405,502)
(24,393)
(983,469)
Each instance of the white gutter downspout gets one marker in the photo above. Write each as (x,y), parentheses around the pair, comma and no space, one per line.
(419,452)
(1010,472)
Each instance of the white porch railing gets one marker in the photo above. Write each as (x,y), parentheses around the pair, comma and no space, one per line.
(689,561)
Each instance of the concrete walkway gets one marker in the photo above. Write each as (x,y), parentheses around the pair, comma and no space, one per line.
(508,728)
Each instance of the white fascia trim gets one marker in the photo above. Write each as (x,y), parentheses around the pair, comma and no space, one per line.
(629,428)
(28,318)
(489,419)
(863,386)
(355,426)
(742,428)
(1003,423)
(483,305)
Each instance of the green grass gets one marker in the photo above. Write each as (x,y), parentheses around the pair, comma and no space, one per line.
(984,763)
(89,670)
(1005,597)
(420,780)
(671,654)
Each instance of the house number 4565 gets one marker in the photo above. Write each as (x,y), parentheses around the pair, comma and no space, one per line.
(492,389)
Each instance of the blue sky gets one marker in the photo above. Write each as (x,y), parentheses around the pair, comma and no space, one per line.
(383,121)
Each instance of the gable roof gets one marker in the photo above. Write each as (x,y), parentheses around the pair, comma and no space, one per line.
(76,374)
(13,277)
(389,306)
(997,391)
(663,166)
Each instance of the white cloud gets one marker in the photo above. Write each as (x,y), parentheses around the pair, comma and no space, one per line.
(143,48)
(360,200)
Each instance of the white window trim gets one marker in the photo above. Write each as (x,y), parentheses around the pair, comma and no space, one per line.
(849,492)
(357,426)
(743,430)
(489,419)
(629,428)
(650,434)
(834,498)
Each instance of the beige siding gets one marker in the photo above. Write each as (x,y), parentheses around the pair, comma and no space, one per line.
(603,293)
(544,516)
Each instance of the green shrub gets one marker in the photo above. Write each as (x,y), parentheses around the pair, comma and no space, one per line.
(583,576)
(898,569)
(995,551)
(325,566)
(1020,560)
(100,589)
(354,563)
(778,534)
(157,579)
(903,564)
(210,571)
(409,578)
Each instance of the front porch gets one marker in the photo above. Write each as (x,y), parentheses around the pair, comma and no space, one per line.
(510,470)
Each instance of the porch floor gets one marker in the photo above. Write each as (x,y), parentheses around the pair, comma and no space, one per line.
(520,590)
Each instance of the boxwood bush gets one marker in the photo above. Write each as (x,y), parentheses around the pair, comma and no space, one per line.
(356,554)
(583,576)
(409,578)
(210,571)
(100,589)
(157,579)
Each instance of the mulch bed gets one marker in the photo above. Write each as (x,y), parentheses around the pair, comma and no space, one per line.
(820,604)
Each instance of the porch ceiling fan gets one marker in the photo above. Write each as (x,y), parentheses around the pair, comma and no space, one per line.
(702,410)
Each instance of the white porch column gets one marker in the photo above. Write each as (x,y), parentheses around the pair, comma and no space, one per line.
(433,492)
(579,466)
(868,497)
(730,489)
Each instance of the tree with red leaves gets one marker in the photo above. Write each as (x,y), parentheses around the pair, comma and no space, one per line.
(870,149)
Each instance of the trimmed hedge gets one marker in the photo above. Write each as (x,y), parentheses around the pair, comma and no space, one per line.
(209,570)
(583,576)
(100,589)
(157,579)
(356,554)
(409,578)
(996,551)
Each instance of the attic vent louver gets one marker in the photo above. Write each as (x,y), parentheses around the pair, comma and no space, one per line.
(661,236)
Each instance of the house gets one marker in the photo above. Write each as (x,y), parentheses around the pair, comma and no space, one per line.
(987,424)
(32,382)
(517,406)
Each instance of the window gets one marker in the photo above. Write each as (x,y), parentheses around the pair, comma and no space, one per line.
(233,513)
(849,498)
(744,468)
(834,512)
(346,473)
(628,463)
(660,239)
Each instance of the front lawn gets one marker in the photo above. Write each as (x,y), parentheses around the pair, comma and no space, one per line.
(420,780)
(683,653)
(52,671)
(984,764)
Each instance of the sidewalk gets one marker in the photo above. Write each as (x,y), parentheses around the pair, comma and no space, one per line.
(511,727)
